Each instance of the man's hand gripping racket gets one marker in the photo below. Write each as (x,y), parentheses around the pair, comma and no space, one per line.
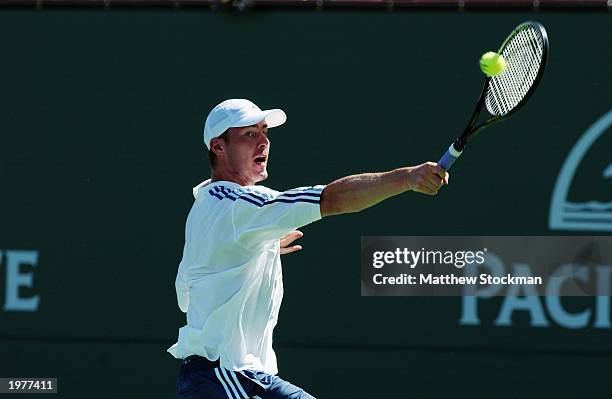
(525,52)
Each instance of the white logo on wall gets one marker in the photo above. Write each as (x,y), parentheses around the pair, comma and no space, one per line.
(17,278)
(590,215)
(543,311)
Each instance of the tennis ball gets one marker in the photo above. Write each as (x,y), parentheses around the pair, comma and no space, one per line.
(492,64)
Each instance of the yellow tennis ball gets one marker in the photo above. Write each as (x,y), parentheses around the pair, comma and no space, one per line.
(492,64)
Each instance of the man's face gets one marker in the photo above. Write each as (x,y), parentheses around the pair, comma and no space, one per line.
(245,156)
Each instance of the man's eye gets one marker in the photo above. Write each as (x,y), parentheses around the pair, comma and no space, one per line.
(250,134)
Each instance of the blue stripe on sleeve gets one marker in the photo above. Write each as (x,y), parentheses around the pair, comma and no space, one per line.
(257,197)
(305,189)
(226,193)
(242,197)
(293,196)
(252,201)
(315,194)
(312,201)
(211,192)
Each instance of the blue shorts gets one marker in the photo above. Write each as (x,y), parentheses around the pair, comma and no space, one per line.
(199,378)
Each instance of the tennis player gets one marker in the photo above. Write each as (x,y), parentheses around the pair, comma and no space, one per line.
(229,280)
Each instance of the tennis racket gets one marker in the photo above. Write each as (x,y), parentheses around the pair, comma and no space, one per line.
(525,51)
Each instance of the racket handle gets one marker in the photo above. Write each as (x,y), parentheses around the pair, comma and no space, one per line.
(449,157)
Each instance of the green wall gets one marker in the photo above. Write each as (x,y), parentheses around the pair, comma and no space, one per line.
(100,127)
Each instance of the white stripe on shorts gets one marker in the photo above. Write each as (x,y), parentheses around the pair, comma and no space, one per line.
(229,395)
(230,383)
(238,384)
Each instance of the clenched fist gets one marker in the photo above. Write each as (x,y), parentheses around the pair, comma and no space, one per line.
(426,178)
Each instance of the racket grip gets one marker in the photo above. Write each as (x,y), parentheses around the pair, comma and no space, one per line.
(449,157)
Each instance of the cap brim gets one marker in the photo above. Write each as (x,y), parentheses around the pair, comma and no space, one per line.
(273,117)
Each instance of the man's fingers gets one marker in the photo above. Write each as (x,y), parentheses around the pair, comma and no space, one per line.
(432,184)
(288,250)
(434,180)
(442,176)
(289,238)
(440,172)
(427,178)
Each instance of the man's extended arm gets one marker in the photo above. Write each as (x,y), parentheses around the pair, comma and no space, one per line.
(357,192)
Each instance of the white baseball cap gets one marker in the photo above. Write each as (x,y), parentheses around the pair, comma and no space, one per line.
(238,112)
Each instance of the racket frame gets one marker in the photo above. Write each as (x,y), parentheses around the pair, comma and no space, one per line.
(471,129)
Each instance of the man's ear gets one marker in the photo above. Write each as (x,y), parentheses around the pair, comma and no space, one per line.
(217,146)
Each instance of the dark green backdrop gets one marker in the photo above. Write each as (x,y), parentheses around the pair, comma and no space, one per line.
(100,127)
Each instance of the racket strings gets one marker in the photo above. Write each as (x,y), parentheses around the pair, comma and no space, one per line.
(504,93)
(523,63)
(523,54)
(523,59)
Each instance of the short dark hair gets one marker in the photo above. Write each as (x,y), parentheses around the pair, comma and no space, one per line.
(212,158)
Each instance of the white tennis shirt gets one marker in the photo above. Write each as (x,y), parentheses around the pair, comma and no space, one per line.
(229,280)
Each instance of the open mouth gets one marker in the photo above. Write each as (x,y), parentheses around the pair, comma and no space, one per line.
(261,160)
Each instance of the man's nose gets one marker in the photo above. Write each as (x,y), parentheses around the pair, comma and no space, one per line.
(263,142)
